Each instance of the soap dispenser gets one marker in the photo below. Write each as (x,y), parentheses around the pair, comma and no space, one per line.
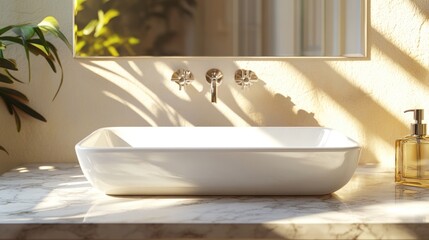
(412,154)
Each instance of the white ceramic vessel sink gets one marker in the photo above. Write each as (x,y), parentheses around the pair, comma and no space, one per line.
(218,160)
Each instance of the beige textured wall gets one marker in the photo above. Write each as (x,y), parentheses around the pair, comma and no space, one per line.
(363,98)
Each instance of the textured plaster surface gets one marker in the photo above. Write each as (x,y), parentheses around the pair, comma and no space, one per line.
(363,98)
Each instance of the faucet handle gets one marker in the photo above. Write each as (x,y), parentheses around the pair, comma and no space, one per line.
(182,77)
(214,77)
(245,78)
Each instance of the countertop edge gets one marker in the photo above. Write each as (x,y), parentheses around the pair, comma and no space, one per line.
(215,231)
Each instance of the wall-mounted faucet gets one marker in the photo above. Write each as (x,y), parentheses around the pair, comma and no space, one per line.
(182,77)
(214,77)
(245,78)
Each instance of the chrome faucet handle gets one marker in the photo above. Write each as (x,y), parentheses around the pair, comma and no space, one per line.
(245,78)
(214,77)
(182,77)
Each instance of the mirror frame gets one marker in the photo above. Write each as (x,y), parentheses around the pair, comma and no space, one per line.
(364,40)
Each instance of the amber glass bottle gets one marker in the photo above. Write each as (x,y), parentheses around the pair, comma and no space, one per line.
(412,154)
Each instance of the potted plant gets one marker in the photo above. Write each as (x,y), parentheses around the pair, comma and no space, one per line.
(32,38)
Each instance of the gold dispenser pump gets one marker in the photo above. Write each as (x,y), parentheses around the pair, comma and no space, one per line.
(418,128)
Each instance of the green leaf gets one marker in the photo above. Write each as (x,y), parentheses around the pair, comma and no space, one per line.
(50,24)
(13,112)
(14,39)
(8,64)
(5,29)
(54,51)
(100,23)
(3,149)
(90,27)
(25,32)
(17,120)
(12,102)
(79,6)
(80,45)
(5,78)
(9,92)
(8,106)
(42,38)
(33,40)
(113,51)
(133,40)
(109,15)
(28,110)
(13,77)
(38,49)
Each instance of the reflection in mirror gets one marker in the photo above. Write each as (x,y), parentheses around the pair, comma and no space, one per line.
(271,28)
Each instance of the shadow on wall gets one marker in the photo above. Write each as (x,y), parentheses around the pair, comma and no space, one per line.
(422,6)
(139,93)
(374,119)
(368,113)
(284,108)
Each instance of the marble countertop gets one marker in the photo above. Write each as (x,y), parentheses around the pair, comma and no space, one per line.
(55,200)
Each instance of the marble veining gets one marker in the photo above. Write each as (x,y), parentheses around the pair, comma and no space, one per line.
(44,201)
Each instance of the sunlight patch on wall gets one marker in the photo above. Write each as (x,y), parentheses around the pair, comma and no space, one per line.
(331,111)
(125,81)
(130,85)
(319,100)
(228,113)
(385,152)
(333,102)
(115,70)
(403,89)
(132,107)
(303,93)
(247,106)
(135,68)
(409,32)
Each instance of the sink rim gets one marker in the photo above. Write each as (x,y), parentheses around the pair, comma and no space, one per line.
(352,144)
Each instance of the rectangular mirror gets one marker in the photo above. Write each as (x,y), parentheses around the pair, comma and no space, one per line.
(230,28)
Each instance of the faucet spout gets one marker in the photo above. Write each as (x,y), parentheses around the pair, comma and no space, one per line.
(214,78)
(213,91)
